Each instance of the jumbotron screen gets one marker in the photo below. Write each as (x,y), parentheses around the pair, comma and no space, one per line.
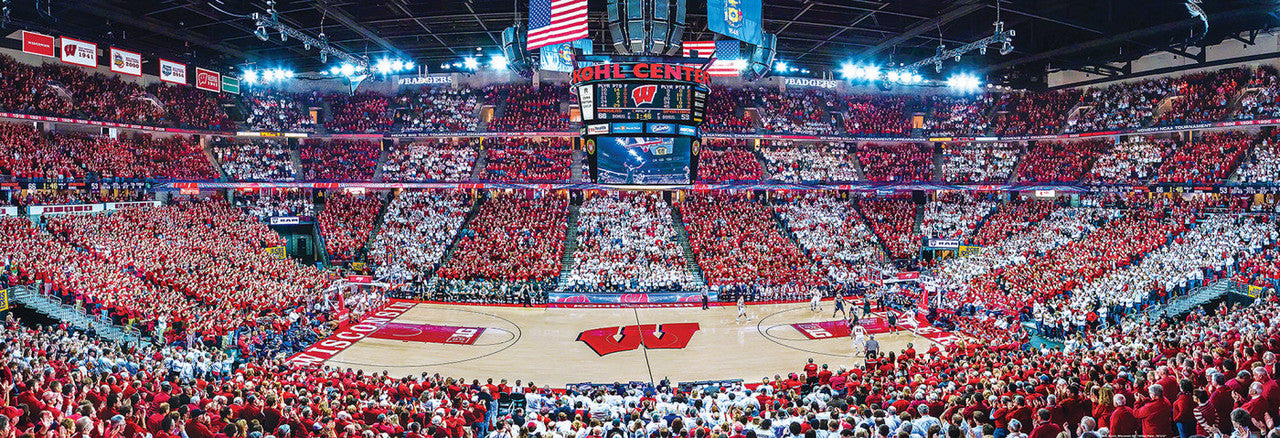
(643,101)
(642,160)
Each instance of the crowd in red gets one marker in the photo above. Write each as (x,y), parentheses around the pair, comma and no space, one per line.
(1262,101)
(896,162)
(1207,160)
(527,109)
(1010,219)
(527,159)
(28,154)
(957,115)
(1051,161)
(727,161)
(876,115)
(893,221)
(1033,113)
(514,238)
(1203,97)
(339,160)
(738,243)
(430,160)
(192,108)
(797,112)
(345,224)
(361,112)
(723,106)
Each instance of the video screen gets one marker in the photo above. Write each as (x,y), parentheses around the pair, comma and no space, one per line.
(642,160)
(640,101)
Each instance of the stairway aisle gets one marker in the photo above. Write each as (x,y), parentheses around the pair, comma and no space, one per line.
(570,246)
(75,317)
(690,260)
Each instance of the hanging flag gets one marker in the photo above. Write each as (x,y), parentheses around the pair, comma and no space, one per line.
(174,72)
(38,44)
(556,21)
(81,53)
(737,19)
(124,61)
(559,57)
(728,55)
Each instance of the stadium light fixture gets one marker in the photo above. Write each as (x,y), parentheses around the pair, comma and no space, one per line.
(498,62)
(964,82)
(250,77)
(781,67)
(470,63)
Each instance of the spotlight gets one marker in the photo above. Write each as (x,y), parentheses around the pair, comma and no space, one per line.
(470,63)
(250,77)
(1006,48)
(964,82)
(849,71)
(284,37)
(324,56)
(498,62)
(335,70)
(348,70)
(261,33)
(780,67)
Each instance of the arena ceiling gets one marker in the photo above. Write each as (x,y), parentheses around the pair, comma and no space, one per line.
(1097,36)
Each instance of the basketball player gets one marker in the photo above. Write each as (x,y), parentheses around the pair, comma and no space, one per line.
(839,306)
(815,303)
(742,310)
(859,335)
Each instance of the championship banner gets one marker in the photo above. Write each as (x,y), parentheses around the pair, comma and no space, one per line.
(969,250)
(38,44)
(559,57)
(124,61)
(277,252)
(230,85)
(173,72)
(737,19)
(81,53)
(208,80)
(4,300)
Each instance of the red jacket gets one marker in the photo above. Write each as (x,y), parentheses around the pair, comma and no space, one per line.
(1123,422)
(1157,418)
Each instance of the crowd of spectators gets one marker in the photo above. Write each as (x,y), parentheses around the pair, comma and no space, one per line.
(345,224)
(876,115)
(106,97)
(528,110)
(893,220)
(26,90)
(1033,113)
(1262,98)
(804,112)
(437,109)
(514,238)
(1130,162)
(833,236)
(1262,163)
(430,160)
(31,155)
(728,161)
(267,203)
(822,162)
(1125,105)
(1059,162)
(954,215)
(274,110)
(1208,160)
(339,160)
(254,160)
(166,269)
(192,108)
(1010,218)
(896,162)
(1203,97)
(627,243)
(723,108)
(527,159)
(362,112)
(416,230)
(978,162)
(741,250)
(957,115)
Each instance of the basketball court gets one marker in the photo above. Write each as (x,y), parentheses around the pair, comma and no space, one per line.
(559,346)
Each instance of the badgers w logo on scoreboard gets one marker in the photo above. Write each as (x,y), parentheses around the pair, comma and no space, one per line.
(644,94)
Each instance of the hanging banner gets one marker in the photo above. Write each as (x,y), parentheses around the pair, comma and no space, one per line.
(124,61)
(230,85)
(277,252)
(38,44)
(173,72)
(559,57)
(81,53)
(737,19)
(4,300)
(208,80)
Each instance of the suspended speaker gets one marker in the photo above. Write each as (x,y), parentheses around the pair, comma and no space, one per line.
(515,39)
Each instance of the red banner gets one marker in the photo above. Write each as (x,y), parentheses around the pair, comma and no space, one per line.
(363,279)
(208,80)
(38,44)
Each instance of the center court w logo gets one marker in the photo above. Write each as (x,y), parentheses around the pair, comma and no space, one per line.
(609,340)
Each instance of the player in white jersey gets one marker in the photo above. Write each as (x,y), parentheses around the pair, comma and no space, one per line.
(742,310)
(815,303)
(859,335)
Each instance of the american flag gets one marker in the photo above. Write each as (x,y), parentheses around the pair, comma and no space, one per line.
(728,56)
(556,21)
